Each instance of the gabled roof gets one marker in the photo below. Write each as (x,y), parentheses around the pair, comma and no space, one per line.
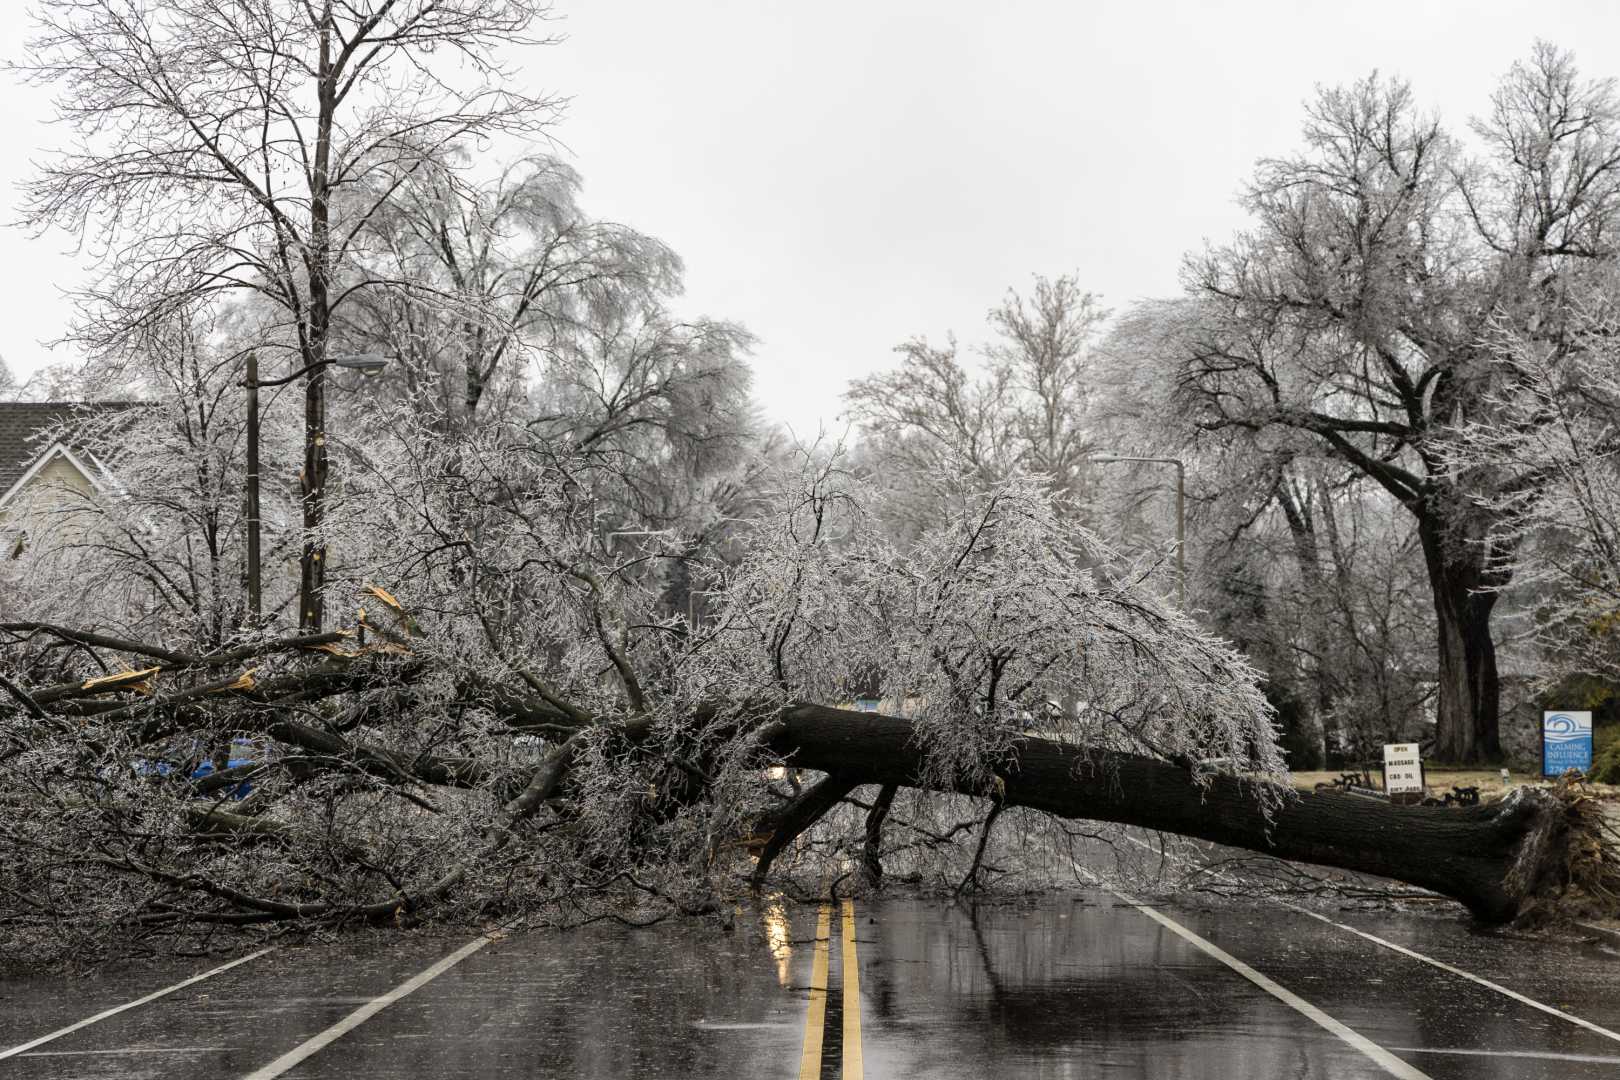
(22,427)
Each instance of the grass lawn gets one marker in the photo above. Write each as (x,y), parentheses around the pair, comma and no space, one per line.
(1440,780)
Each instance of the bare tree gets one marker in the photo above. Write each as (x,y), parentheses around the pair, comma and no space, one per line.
(496,278)
(1025,411)
(1558,400)
(246,147)
(516,307)
(508,720)
(1300,559)
(1317,577)
(1357,312)
(155,549)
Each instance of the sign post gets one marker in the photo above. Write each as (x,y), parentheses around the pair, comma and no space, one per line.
(1566,742)
(1403,773)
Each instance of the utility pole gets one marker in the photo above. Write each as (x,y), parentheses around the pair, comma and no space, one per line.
(1181,516)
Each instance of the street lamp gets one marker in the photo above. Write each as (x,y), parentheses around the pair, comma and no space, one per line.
(1181,516)
(367,364)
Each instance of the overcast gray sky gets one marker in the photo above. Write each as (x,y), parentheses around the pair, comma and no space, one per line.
(840,176)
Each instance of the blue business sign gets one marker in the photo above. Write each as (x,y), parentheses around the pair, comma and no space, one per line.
(1566,742)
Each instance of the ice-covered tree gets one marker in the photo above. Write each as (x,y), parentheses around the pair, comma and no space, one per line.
(222,150)
(1357,311)
(9,387)
(507,725)
(154,550)
(1556,403)
(1021,407)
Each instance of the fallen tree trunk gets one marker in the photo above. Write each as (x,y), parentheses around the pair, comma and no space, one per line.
(1534,851)
(1498,860)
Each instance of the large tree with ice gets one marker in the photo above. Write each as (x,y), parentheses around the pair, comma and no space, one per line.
(1358,310)
(245,148)
(1556,397)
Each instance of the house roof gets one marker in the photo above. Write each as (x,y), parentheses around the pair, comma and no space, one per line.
(22,423)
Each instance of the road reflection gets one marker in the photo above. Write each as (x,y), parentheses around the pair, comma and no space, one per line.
(778,938)
(1070,989)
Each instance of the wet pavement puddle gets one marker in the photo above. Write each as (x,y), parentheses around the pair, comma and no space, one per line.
(1076,986)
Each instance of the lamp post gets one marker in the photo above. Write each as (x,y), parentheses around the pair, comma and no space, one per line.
(309,608)
(1181,516)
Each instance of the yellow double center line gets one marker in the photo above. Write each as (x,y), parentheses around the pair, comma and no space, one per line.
(816,1015)
(853,1068)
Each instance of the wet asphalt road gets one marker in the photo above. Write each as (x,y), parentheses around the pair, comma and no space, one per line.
(1086,985)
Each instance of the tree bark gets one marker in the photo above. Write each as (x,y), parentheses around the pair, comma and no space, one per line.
(872,849)
(971,881)
(1467,721)
(315,331)
(1489,857)
(790,822)
(1302,530)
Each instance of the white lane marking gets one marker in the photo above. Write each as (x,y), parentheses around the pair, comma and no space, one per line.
(135,1050)
(57,1034)
(1431,961)
(1600,1059)
(1443,966)
(365,1012)
(1386,1060)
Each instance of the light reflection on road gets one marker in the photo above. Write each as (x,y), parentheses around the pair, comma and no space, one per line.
(777,939)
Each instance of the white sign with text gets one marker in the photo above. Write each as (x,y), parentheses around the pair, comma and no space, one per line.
(1403,771)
